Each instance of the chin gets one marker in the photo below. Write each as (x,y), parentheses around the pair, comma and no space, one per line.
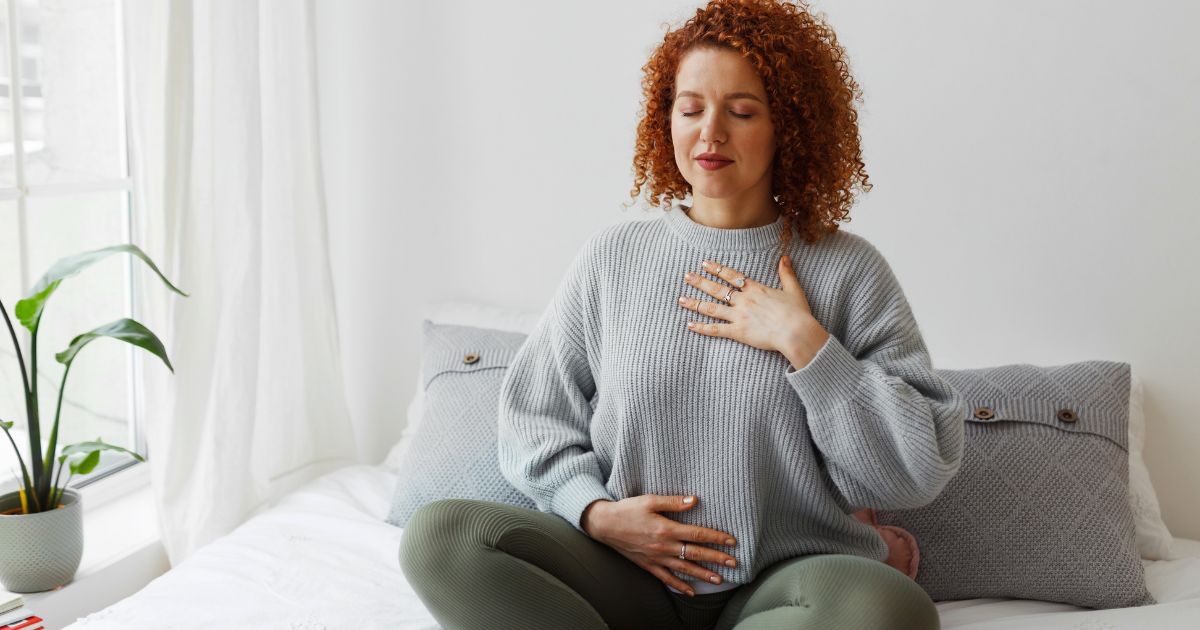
(714,192)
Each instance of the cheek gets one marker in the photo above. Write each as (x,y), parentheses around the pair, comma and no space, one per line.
(766,143)
(677,135)
(679,142)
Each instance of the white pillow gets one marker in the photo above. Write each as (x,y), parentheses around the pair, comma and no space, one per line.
(458,313)
(1154,541)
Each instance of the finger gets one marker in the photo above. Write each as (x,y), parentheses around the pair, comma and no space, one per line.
(696,553)
(692,569)
(728,274)
(715,289)
(671,503)
(696,533)
(711,330)
(669,578)
(705,307)
(787,275)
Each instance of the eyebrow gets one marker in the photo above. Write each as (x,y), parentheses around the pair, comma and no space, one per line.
(730,96)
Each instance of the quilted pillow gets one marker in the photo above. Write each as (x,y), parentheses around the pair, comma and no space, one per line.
(452,453)
(459,313)
(1040,507)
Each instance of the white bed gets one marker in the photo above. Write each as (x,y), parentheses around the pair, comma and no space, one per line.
(323,558)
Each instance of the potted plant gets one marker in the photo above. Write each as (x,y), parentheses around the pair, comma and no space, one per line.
(41,523)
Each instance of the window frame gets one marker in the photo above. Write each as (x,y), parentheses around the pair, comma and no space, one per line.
(20,191)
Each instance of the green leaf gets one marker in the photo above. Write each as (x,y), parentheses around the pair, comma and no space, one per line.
(29,310)
(97,446)
(124,329)
(6,424)
(87,464)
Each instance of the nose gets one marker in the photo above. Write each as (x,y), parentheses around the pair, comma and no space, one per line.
(712,130)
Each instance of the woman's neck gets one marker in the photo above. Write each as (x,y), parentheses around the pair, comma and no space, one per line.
(733,213)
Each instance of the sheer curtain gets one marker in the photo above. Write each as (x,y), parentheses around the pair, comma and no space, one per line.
(226,163)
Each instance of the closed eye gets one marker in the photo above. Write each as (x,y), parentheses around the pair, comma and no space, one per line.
(736,115)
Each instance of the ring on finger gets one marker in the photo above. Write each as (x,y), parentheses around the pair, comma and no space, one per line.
(728,295)
(739,282)
(683,552)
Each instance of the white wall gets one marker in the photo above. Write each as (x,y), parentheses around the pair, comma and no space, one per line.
(1033,166)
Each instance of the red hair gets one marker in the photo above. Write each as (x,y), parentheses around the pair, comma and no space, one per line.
(810,94)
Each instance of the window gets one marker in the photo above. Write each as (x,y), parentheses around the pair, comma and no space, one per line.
(65,188)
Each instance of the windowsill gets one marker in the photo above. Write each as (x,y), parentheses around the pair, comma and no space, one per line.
(121,484)
(122,549)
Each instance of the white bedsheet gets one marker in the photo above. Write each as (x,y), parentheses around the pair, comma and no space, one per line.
(324,559)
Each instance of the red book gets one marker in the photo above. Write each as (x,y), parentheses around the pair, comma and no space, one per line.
(27,623)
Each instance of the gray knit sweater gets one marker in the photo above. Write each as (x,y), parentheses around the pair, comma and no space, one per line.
(611,396)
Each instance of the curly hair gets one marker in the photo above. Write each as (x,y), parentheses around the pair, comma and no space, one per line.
(818,160)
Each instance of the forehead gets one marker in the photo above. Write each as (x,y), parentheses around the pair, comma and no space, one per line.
(714,72)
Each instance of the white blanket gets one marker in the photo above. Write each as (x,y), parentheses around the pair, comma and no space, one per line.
(323,559)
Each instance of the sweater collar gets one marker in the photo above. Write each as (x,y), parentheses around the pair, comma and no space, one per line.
(709,238)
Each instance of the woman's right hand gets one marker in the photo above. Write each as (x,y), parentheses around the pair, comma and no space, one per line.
(635,528)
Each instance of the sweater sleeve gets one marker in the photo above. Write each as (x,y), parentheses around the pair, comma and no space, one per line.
(545,408)
(890,429)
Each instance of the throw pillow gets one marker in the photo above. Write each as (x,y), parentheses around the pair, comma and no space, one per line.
(453,452)
(1040,507)
(458,313)
(1154,541)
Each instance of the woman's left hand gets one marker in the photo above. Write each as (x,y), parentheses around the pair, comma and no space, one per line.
(758,315)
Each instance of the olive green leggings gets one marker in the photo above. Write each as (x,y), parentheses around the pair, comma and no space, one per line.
(478,564)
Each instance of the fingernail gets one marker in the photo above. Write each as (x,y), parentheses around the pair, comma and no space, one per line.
(728,541)
(715,579)
(730,563)
(687,500)
(691,593)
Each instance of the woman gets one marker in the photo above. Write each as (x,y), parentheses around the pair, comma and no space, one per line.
(707,401)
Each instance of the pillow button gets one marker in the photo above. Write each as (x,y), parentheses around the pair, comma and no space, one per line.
(1066,415)
(985,413)
(470,358)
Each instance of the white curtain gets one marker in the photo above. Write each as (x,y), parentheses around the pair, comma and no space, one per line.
(229,201)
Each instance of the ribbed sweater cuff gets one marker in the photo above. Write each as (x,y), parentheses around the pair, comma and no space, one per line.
(576,494)
(832,375)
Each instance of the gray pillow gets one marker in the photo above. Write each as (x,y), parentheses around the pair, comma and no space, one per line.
(453,452)
(1040,508)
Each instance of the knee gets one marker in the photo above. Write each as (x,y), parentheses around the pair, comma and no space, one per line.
(842,591)
(431,536)
(902,605)
(879,596)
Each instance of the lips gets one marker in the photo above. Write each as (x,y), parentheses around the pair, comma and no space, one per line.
(712,165)
(710,161)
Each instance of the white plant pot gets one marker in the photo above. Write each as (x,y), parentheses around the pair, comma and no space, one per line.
(40,552)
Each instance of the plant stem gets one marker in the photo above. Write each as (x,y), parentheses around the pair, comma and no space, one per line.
(62,388)
(24,471)
(35,420)
(57,477)
(64,486)
(20,358)
(30,393)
